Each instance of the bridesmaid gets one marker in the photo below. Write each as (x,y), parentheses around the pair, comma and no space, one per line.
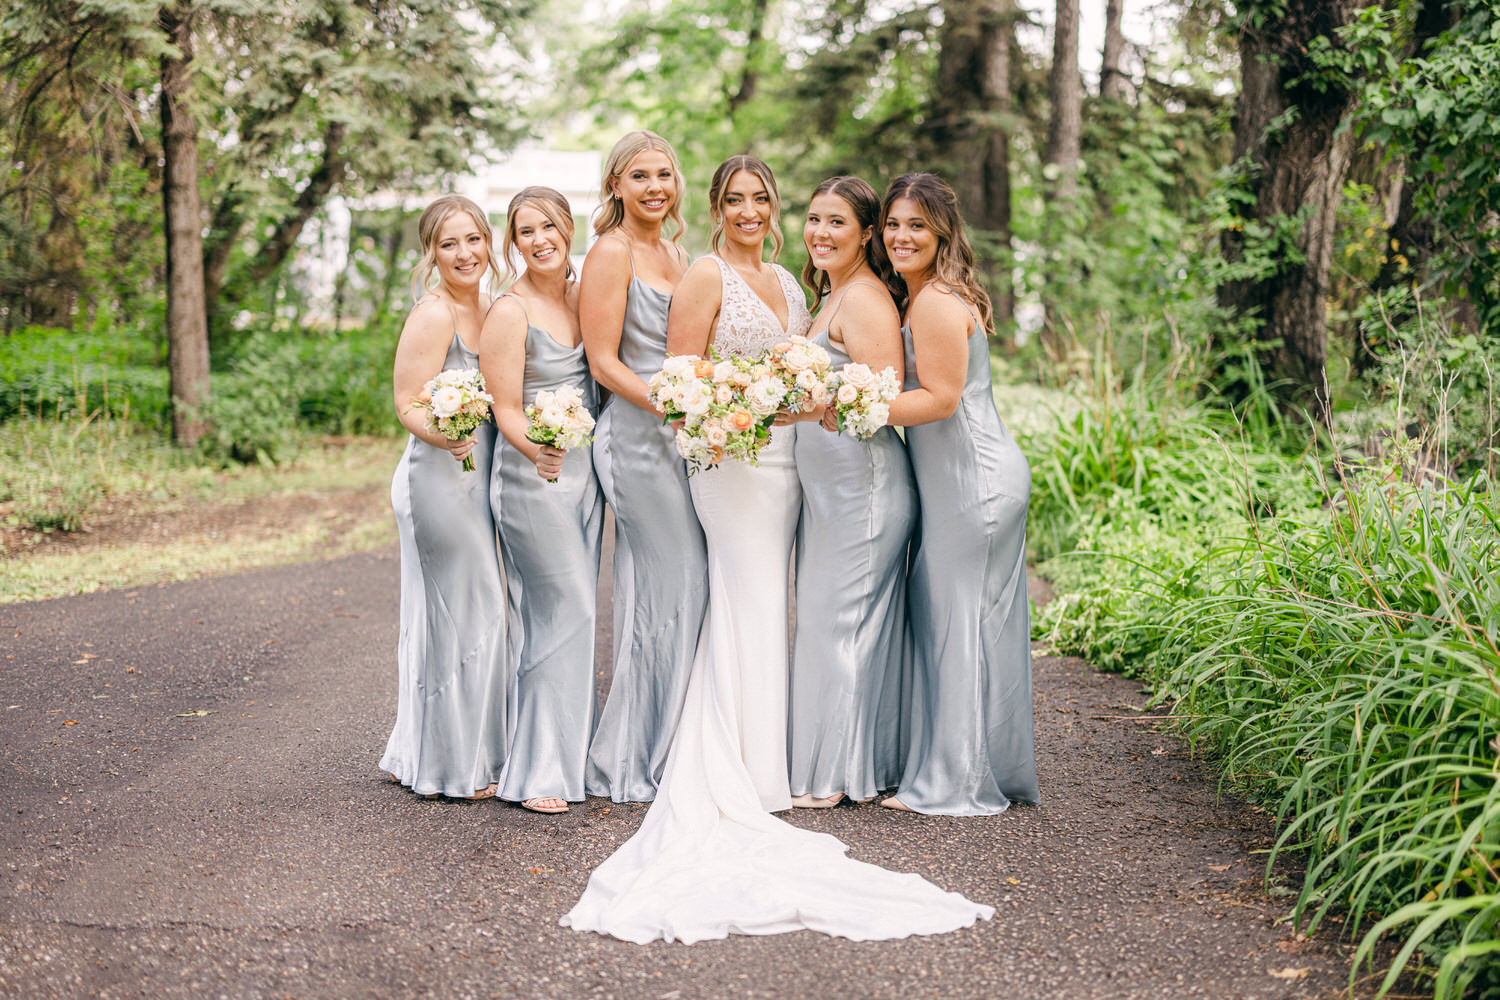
(450,736)
(548,506)
(661,567)
(971,714)
(858,509)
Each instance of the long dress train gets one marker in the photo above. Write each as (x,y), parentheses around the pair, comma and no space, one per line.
(972,749)
(453,663)
(709,860)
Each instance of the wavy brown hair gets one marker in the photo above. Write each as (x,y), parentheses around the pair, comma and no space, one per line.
(752,165)
(433,217)
(954,263)
(864,203)
(611,211)
(553,206)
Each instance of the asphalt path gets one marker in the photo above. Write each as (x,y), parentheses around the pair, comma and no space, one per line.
(192,808)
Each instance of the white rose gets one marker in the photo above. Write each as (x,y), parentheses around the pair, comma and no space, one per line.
(715,434)
(879,413)
(693,401)
(847,394)
(446,401)
(723,393)
(552,416)
(678,365)
(796,359)
(858,376)
(723,371)
(807,380)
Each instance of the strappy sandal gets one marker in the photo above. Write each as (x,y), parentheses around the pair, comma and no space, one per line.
(550,804)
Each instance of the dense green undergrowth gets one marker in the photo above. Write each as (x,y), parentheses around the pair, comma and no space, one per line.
(1326,629)
(84,415)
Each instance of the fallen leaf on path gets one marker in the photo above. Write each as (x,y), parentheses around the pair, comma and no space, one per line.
(1219,868)
(196,712)
(70,722)
(1289,973)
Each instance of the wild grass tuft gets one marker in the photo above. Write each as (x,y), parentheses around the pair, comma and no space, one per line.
(1328,632)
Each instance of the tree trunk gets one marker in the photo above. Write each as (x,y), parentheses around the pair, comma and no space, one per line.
(971,102)
(187,316)
(1065,89)
(1111,79)
(1286,130)
(1064,148)
(750,72)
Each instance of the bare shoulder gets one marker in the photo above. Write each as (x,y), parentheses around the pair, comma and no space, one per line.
(429,320)
(506,313)
(702,276)
(608,255)
(869,303)
(939,306)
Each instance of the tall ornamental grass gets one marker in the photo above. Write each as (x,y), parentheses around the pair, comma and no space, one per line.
(1333,643)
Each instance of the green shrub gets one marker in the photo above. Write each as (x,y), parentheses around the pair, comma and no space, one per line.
(62,373)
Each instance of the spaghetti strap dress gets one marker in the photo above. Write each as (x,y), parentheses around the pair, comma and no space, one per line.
(454,671)
(660,570)
(859,505)
(549,540)
(972,751)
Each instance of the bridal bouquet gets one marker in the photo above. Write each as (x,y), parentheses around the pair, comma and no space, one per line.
(559,418)
(456,403)
(726,406)
(862,397)
(802,367)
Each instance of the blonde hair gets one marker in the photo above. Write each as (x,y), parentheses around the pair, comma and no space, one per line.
(433,217)
(611,210)
(953,264)
(716,194)
(553,206)
(864,203)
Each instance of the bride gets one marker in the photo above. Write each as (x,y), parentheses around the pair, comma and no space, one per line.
(709,858)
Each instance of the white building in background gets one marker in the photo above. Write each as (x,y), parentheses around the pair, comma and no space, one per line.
(353,238)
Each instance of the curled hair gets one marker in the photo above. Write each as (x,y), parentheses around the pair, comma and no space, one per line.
(553,206)
(753,165)
(864,203)
(954,263)
(611,210)
(433,216)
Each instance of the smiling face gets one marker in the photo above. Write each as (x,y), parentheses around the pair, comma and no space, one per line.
(460,251)
(909,240)
(647,187)
(542,246)
(746,209)
(835,241)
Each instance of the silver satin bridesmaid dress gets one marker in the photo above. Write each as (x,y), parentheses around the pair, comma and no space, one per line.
(549,539)
(972,747)
(859,506)
(660,576)
(453,665)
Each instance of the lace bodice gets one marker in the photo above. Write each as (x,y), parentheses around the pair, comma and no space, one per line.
(746,325)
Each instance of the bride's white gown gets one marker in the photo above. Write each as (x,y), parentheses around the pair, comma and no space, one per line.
(709,858)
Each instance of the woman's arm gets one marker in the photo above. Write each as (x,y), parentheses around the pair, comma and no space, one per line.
(419,356)
(940,326)
(603,288)
(695,309)
(502,359)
